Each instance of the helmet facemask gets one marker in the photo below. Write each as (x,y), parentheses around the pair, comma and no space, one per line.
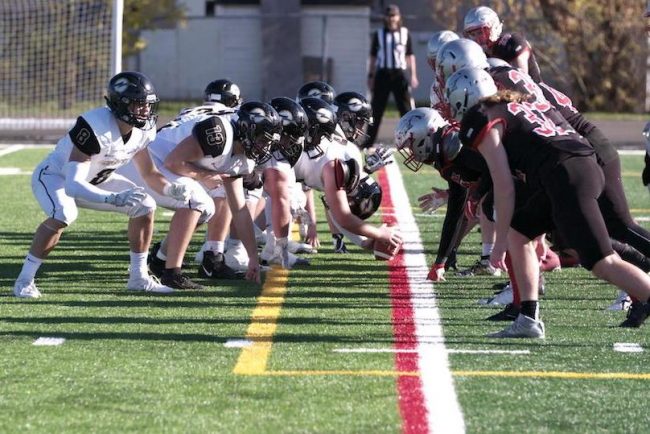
(259,142)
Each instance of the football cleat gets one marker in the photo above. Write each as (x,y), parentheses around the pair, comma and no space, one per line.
(622,302)
(509,313)
(481,268)
(339,244)
(178,281)
(26,289)
(213,266)
(148,284)
(236,257)
(522,327)
(296,247)
(502,297)
(636,315)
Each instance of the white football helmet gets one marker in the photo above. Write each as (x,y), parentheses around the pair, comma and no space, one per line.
(457,54)
(417,134)
(495,62)
(434,44)
(482,25)
(466,87)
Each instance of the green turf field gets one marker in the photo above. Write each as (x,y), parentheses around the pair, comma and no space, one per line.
(139,363)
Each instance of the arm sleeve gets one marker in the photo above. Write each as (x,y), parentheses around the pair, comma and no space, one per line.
(83,138)
(211,135)
(451,228)
(76,185)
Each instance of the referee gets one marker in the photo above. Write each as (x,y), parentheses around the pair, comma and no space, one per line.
(391,53)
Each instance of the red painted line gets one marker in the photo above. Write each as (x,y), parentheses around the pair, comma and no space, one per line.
(410,395)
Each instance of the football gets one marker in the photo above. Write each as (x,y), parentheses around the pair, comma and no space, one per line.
(383,251)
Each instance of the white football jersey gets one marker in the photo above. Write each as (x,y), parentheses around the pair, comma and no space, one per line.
(309,170)
(172,133)
(97,134)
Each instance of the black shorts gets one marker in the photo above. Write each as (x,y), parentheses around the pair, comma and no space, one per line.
(569,202)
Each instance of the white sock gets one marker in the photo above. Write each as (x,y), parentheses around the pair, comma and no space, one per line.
(30,267)
(138,264)
(487,249)
(214,246)
(160,255)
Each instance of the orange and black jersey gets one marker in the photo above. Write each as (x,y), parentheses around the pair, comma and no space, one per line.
(534,137)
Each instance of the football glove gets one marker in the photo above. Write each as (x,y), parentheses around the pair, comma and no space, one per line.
(131,197)
(380,158)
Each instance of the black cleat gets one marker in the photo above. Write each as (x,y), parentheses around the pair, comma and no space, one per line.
(339,244)
(509,313)
(214,266)
(636,314)
(178,280)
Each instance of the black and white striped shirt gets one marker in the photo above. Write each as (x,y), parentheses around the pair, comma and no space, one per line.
(391,48)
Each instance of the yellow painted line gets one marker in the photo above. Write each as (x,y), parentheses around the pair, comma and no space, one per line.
(631,174)
(253,359)
(510,374)
(637,210)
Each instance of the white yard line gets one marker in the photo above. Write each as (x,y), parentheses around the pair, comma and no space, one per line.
(444,413)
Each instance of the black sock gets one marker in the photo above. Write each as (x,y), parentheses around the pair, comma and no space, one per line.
(530,308)
(173,271)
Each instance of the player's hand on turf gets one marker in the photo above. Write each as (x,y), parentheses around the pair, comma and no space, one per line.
(437,273)
(253,271)
(312,236)
(131,197)
(498,257)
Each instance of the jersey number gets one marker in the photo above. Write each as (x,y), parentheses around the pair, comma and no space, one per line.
(545,127)
(102,176)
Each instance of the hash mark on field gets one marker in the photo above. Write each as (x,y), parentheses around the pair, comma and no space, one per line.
(625,347)
(48,341)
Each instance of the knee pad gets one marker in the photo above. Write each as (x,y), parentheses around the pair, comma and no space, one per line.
(147,206)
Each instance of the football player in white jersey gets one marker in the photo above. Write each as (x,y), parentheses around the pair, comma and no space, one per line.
(80,173)
(203,150)
(328,166)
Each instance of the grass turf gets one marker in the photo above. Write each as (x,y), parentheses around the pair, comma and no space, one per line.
(141,363)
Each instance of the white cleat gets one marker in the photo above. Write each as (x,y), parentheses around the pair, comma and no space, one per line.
(500,299)
(148,284)
(236,257)
(522,327)
(296,247)
(26,289)
(622,302)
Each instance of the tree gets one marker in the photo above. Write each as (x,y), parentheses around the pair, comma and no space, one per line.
(595,50)
(142,15)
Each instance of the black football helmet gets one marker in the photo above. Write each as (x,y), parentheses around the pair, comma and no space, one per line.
(317,89)
(364,200)
(354,113)
(258,127)
(223,91)
(132,99)
(322,123)
(294,129)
